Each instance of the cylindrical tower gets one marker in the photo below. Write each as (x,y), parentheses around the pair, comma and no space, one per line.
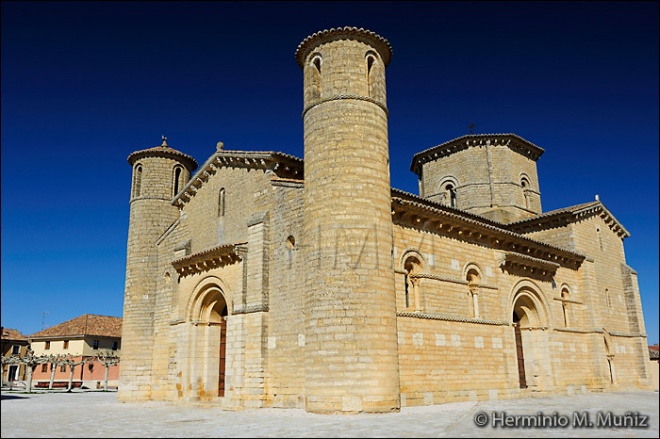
(351,362)
(159,173)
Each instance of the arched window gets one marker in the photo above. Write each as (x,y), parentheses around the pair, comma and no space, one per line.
(178,179)
(565,295)
(447,191)
(371,59)
(474,280)
(524,183)
(412,266)
(221,203)
(137,180)
(450,195)
(313,73)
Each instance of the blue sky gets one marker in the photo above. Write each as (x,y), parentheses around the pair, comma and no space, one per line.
(86,83)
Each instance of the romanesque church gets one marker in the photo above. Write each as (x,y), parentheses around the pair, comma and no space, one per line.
(260,279)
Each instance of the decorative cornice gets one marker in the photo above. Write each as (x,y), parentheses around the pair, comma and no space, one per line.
(568,215)
(251,309)
(342,97)
(513,141)
(449,318)
(449,279)
(207,259)
(344,33)
(164,152)
(446,221)
(529,263)
(287,182)
(280,164)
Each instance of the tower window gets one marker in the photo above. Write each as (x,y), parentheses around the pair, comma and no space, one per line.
(524,183)
(313,79)
(137,181)
(178,180)
(372,73)
(317,62)
(450,195)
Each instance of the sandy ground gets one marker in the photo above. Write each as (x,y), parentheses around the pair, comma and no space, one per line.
(98,414)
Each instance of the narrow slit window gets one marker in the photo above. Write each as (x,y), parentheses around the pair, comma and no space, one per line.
(221,203)
(177,179)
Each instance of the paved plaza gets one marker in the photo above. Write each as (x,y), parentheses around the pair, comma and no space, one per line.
(98,414)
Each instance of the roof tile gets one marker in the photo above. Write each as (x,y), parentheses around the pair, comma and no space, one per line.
(86,324)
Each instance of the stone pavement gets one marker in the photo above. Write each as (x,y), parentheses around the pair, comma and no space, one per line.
(98,414)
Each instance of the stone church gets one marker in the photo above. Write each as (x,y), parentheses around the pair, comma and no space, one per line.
(262,280)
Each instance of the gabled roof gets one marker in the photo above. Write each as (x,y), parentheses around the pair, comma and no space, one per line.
(282,165)
(513,141)
(567,215)
(12,334)
(85,325)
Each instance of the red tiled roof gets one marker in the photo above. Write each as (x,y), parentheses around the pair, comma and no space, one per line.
(12,334)
(654,352)
(86,324)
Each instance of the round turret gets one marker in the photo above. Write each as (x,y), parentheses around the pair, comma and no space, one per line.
(159,173)
(347,226)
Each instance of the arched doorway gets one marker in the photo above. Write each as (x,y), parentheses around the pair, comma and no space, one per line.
(208,342)
(529,322)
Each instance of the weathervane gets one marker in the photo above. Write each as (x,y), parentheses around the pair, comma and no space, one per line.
(164,141)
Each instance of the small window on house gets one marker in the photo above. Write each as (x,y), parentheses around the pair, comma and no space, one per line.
(15,350)
(63,368)
(115,345)
(66,344)
(95,344)
(44,367)
(47,347)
